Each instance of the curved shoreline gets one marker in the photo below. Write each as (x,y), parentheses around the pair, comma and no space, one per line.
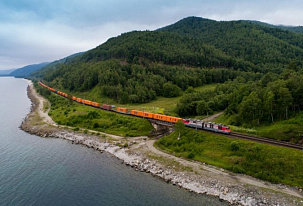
(193,176)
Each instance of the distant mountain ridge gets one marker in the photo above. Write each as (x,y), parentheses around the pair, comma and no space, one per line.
(6,72)
(27,70)
(297,29)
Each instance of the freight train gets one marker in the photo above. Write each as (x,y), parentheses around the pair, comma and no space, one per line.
(197,124)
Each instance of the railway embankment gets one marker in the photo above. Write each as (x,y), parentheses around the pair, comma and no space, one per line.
(140,153)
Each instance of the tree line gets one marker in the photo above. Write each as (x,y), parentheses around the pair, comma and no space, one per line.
(273,97)
(135,83)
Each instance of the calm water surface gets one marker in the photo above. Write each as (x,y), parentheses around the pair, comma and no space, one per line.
(40,171)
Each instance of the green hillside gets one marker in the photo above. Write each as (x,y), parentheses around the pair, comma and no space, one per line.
(138,67)
(54,65)
(269,49)
(297,29)
(165,47)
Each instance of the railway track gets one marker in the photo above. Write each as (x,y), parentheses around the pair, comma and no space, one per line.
(236,135)
(265,140)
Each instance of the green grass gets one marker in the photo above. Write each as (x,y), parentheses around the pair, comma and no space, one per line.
(266,162)
(45,106)
(287,130)
(167,105)
(69,113)
(206,87)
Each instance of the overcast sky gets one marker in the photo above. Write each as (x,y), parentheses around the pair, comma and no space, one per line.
(35,31)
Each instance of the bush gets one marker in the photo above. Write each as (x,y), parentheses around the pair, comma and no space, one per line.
(191,155)
(92,115)
(96,125)
(234,146)
(238,169)
(171,90)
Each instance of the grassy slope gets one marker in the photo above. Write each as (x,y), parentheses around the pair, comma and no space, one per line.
(271,163)
(168,104)
(286,130)
(66,112)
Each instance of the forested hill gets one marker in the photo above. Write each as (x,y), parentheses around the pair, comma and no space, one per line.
(139,66)
(164,47)
(267,47)
(297,29)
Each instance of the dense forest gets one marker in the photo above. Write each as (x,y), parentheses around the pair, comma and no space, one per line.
(269,49)
(140,66)
(136,83)
(273,97)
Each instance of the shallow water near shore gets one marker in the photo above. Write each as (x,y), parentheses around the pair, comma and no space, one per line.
(48,171)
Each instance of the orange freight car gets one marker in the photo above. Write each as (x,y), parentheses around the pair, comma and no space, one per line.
(95,104)
(148,115)
(122,110)
(79,100)
(160,117)
(137,113)
(74,98)
(173,119)
(87,102)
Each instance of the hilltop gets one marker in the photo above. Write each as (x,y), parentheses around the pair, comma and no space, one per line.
(268,47)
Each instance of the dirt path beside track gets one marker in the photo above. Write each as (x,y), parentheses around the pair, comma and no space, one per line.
(212,117)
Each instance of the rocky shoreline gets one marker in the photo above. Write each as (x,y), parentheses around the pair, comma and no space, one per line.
(140,154)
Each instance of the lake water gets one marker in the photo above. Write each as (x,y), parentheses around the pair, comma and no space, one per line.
(48,171)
